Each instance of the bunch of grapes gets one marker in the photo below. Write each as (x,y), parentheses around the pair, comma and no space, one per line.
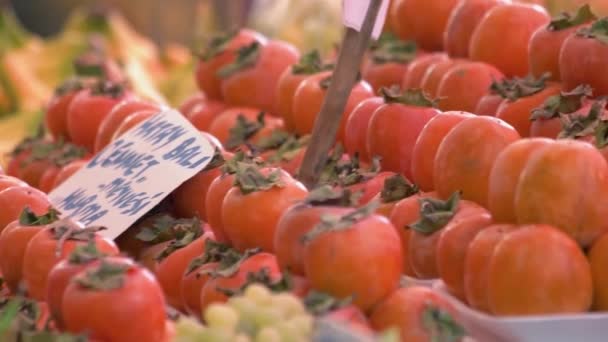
(256,315)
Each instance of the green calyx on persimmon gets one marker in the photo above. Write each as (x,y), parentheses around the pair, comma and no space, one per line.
(564,103)
(435,214)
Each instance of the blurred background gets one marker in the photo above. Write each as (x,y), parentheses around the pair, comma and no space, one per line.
(184,21)
(154,42)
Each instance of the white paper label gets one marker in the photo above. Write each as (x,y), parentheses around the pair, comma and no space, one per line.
(134,173)
(353,15)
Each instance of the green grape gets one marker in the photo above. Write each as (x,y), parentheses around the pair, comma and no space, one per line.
(268,334)
(188,330)
(245,306)
(289,304)
(266,316)
(304,323)
(288,331)
(216,335)
(259,294)
(221,316)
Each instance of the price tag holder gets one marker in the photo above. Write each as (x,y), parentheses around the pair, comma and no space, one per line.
(353,15)
(134,173)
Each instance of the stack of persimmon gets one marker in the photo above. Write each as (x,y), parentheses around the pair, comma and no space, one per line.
(460,157)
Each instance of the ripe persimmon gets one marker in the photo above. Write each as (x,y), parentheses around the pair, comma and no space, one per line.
(309,64)
(405,213)
(598,258)
(463,164)
(341,243)
(221,51)
(462,22)
(421,20)
(477,262)
(417,68)
(426,232)
(552,260)
(427,144)
(252,208)
(576,204)
(420,313)
(528,94)
(309,97)
(251,80)
(546,42)
(463,86)
(576,70)
(357,125)
(505,175)
(408,111)
(501,37)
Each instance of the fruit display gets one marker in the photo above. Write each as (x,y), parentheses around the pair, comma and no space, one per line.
(466,184)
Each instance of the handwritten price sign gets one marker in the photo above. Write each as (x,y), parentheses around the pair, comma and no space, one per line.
(134,173)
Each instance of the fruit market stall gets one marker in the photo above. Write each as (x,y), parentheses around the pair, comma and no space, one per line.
(423,181)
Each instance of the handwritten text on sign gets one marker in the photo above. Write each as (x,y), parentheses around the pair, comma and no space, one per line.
(134,173)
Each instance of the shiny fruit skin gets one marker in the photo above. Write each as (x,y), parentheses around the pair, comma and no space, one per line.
(552,261)
(423,247)
(115,117)
(488,105)
(599,260)
(477,262)
(250,220)
(68,171)
(463,86)
(286,88)
(505,176)
(404,309)
(434,74)
(191,286)
(581,62)
(41,256)
(110,315)
(309,97)
(131,121)
(55,118)
(421,20)
(452,249)
(202,115)
(224,121)
(256,85)
(86,113)
(514,23)
(206,69)
(218,188)
(380,75)
(574,203)
(405,213)
(59,278)
(427,144)
(544,50)
(463,164)
(517,113)
(169,271)
(333,261)
(462,22)
(418,67)
(386,139)
(14,199)
(13,242)
(293,225)
(355,132)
